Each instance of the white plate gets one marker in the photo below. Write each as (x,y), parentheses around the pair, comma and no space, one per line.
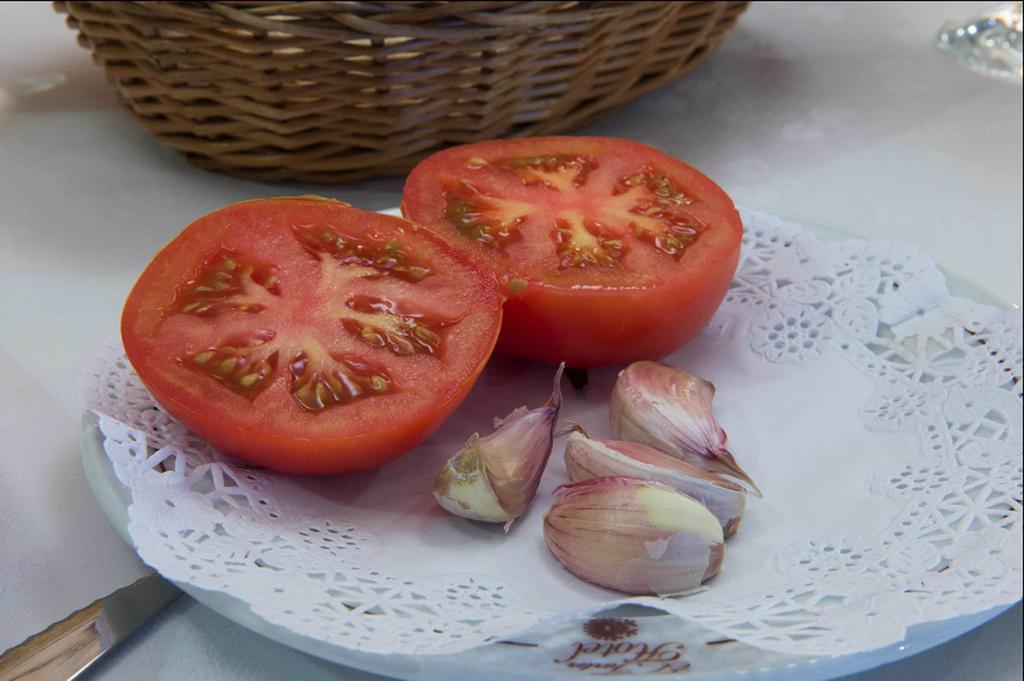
(526,661)
(560,654)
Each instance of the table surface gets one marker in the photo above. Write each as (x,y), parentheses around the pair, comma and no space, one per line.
(842,113)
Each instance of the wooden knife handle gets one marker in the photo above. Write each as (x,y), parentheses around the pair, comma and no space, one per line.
(57,653)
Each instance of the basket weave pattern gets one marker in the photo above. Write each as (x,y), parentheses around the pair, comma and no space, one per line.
(337,91)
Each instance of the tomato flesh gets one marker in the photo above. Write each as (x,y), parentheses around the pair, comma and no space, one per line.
(308,336)
(609,251)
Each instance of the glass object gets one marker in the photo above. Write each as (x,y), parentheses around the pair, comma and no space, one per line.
(989,43)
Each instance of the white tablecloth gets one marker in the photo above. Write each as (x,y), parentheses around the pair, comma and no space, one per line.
(842,113)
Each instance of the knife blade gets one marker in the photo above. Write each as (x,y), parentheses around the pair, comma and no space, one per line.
(65,649)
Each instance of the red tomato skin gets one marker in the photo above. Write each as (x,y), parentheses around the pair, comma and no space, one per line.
(553,325)
(260,446)
(590,328)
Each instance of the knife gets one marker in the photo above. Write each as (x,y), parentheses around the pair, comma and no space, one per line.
(67,648)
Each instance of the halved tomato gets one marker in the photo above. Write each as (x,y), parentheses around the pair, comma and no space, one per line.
(308,336)
(609,251)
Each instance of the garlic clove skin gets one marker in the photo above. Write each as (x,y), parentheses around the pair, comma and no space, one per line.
(587,458)
(494,478)
(670,410)
(516,454)
(634,536)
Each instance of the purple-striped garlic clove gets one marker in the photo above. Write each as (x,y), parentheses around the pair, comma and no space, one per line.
(494,478)
(670,410)
(587,458)
(634,536)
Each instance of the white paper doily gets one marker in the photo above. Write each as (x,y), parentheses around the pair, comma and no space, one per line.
(880,415)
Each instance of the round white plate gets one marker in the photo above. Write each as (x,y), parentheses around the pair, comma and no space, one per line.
(573,649)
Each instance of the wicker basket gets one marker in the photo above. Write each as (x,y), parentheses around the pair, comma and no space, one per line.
(336,91)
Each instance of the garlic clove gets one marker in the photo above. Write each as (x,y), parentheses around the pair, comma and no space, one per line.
(587,458)
(635,536)
(516,454)
(463,488)
(670,410)
(495,478)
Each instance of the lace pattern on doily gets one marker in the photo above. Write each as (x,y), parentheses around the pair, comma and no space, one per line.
(947,370)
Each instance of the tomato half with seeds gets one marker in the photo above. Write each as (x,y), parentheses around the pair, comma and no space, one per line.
(609,251)
(308,336)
